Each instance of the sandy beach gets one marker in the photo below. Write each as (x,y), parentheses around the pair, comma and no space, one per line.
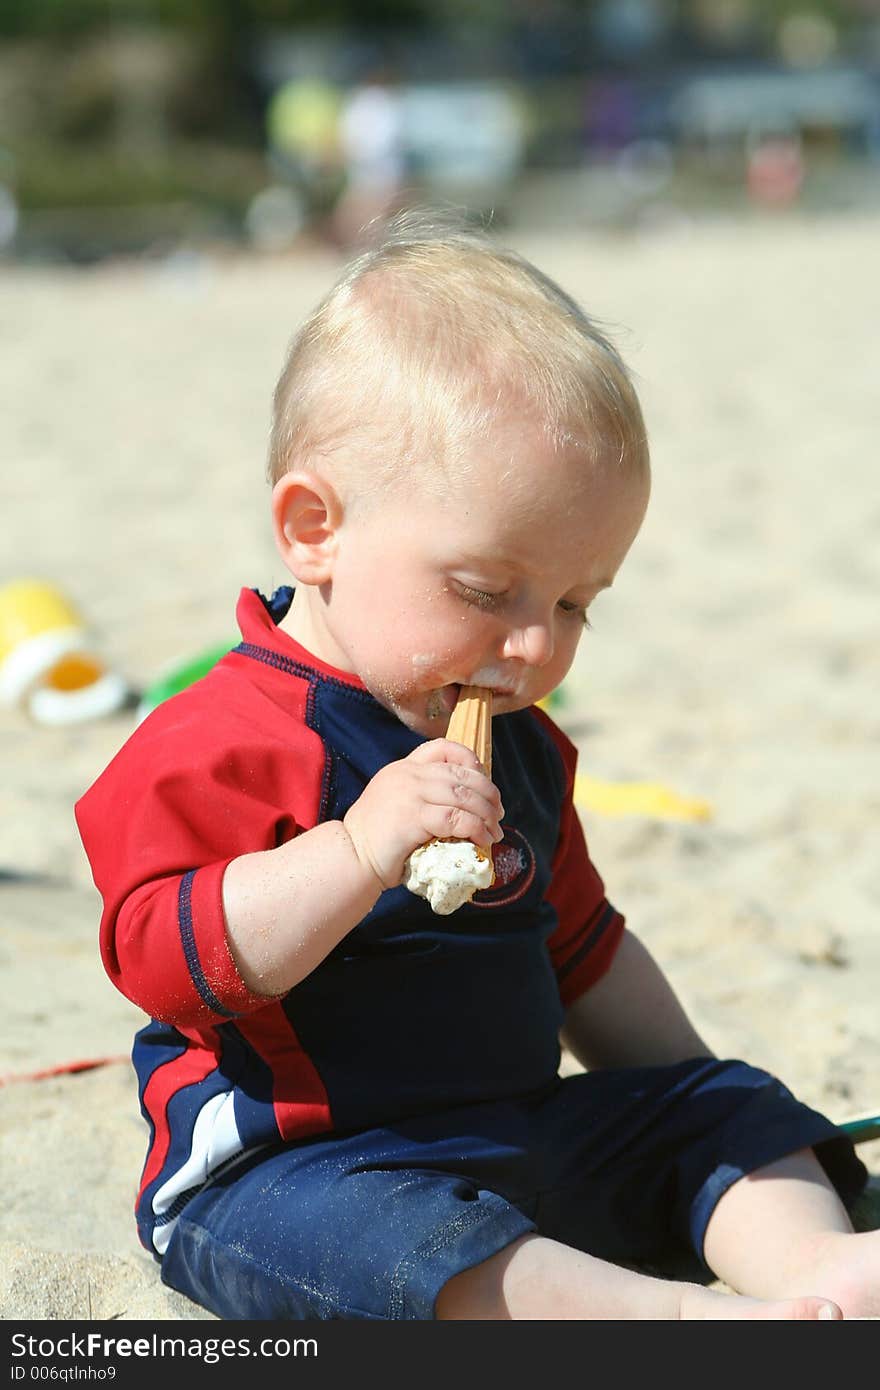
(737,660)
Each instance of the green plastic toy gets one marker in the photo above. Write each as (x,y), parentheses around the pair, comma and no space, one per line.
(178,677)
(862,1128)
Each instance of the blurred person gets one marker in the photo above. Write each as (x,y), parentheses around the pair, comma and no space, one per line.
(302,129)
(775,169)
(9,208)
(611,115)
(355,1106)
(371,135)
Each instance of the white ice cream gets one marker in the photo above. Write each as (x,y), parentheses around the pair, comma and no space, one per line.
(447,873)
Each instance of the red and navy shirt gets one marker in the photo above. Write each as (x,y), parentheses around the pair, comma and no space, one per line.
(411,1011)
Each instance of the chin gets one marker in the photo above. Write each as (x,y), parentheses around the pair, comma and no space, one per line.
(414,723)
(417,722)
(424,722)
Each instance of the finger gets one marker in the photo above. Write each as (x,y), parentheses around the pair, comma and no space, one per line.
(444,750)
(458,823)
(457,799)
(457,779)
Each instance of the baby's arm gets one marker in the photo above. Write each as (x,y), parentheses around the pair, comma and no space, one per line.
(631,1017)
(286,908)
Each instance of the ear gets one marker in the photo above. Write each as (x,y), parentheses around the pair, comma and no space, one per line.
(306,516)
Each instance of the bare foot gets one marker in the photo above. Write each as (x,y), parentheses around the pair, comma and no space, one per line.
(699,1303)
(848,1266)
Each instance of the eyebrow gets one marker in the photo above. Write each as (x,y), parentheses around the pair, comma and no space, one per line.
(496,558)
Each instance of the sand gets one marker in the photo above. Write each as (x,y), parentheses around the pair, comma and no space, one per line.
(736,660)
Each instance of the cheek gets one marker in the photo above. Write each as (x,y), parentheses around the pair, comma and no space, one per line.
(567,646)
(429,667)
(398,623)
(446,649)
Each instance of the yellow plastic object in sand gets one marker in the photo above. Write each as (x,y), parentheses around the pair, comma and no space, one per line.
(637,799)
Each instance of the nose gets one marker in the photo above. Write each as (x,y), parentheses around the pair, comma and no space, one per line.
(532,645)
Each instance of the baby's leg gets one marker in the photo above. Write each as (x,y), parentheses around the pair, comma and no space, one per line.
(540,1279)
(783,1231)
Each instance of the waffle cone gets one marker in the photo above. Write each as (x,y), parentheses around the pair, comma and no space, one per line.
(448,882)
(471,723)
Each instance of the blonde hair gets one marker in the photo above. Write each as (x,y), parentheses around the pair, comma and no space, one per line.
(429,338)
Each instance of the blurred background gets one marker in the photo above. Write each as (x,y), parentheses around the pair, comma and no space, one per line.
(143,126)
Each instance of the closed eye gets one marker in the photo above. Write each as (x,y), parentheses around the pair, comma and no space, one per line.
(480,598)
(575,610)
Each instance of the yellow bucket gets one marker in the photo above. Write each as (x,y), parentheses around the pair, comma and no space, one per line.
(47,666)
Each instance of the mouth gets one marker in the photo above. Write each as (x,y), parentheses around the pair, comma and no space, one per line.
(504,684)
(442,701)
(500,692)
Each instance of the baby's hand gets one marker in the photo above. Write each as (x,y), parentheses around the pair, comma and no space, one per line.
(438,791)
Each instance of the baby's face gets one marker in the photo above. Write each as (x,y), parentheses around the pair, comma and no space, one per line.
(490,587)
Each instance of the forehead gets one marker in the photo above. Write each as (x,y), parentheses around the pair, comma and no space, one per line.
(575,520)
(525,457)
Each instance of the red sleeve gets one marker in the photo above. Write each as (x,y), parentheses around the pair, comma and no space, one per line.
(159,827)
(589,929)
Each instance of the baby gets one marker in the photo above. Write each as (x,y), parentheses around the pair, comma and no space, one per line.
(354,1104)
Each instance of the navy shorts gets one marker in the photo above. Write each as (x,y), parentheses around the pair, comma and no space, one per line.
(623,1164)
